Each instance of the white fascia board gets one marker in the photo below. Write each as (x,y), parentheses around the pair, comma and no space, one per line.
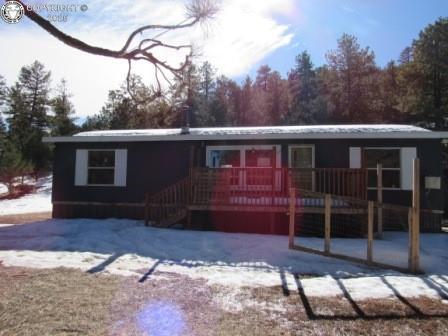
(189,137)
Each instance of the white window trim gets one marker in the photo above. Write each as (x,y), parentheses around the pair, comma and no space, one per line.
(392,169)
(82,176)
(291,147)
(313,158)
(243,149)
(99,168)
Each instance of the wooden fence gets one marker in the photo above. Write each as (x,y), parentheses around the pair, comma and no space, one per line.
(371,208)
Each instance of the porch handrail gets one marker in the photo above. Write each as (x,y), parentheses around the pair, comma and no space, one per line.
(168,202)
(350,182)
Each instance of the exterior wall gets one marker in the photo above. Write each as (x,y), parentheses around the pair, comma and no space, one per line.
(155,165)
(335,154)
(151,167)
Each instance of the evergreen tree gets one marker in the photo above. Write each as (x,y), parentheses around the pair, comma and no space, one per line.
(406,56)
(12,166)
(351,81)
(62,121)
(226,106)
(20,129)
(303,87)
(121,111)
(3,91)
(430,53)
(95,123)
(246,102)
(3,135)
(202,92)
(27,114)
(389,89)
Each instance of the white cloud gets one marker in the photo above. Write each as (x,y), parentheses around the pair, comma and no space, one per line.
(242,34)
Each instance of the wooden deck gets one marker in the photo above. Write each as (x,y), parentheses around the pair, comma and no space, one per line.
(257,190)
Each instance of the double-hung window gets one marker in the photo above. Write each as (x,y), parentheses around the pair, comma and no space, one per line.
(101,167)
(391,168)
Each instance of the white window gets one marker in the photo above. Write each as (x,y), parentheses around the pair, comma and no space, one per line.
(301,156)
(101,167)
(257,156)
(391,166)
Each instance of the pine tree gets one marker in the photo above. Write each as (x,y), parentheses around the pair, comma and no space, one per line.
(246,102)
(3,91)
(62,122)
(27,114)
(3,135)
(352,73)
(202,91)
(304,89)
(270,97)
(430,53)
(12,166)
(35,82)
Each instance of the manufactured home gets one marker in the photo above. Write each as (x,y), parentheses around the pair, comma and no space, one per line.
(237,179)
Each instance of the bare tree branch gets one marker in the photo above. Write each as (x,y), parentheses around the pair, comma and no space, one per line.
(197,12)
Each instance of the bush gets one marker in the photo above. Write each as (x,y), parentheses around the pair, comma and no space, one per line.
(12,166)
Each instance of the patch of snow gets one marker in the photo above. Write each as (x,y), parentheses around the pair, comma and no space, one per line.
(38,201)
(3,189)
(237,300)
(211,131)
(127,247)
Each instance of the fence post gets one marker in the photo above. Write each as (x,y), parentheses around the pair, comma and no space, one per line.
(370,231)
(415,226)
(411,236)
(292,215)
(327,222)
(379,174)
(146,210)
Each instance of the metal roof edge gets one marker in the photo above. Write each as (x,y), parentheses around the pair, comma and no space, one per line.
(190,137)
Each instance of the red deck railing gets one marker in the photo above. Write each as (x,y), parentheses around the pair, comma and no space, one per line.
(251,187)
(217,184)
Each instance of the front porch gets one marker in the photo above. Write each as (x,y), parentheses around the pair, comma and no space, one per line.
(258,190)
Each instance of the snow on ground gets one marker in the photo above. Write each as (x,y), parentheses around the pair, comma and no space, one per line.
(127,247)
(39,201)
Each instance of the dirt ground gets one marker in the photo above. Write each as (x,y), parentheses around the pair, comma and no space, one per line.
(24,218)
(71,302)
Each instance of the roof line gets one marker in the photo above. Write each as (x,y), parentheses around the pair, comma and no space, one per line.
(193,137)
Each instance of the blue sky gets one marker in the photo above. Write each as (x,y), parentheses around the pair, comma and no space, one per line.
(387,27)
(244,35)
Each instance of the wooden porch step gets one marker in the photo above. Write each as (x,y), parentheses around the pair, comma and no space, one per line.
(170,221)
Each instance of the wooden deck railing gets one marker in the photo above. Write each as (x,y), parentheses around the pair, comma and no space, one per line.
(249,187)
(335,181)
(169,204)
(269,185)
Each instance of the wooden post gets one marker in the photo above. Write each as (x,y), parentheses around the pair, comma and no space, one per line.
(370,231)
(146,210)
(411,235)
(292,216)
(327,222)
(415,227)
(379,174)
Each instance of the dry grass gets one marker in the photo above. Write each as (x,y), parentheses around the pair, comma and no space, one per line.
(71,302)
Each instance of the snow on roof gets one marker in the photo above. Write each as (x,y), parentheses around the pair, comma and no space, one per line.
(269,132)
(260,130)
